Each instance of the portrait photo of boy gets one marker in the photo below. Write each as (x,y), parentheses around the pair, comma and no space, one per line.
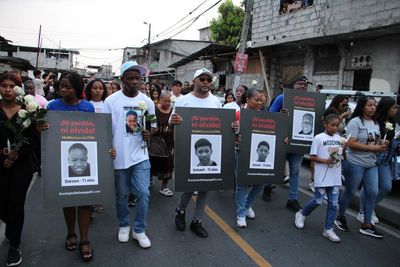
(78,161)
(303,125)
(206,154)
(131,119)
(262,152)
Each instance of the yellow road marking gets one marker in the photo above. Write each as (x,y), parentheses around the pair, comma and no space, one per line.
(249,250)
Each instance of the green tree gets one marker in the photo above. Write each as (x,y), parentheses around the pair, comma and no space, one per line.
(226,29)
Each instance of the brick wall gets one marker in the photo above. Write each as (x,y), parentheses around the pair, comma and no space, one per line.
(325,16)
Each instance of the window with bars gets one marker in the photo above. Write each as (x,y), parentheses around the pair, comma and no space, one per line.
(327,59)
(361,79)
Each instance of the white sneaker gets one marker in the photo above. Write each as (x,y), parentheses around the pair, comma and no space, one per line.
(374,219)
(311,186)
(331,235)
(241,222)
(360,218)
(299,220)
(123,234)
(143,240)
(250,213)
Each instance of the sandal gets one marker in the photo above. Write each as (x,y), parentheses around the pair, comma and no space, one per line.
(166,192)
(85,255)
(69,245)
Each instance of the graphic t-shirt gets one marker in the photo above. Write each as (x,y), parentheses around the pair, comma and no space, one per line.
(327,146)
(127,122)
(366,132)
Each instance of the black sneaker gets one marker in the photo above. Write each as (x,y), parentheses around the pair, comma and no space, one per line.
(198,229)
(370,230)
(267,193)
(131,201)
(14,256)
(293,205)
(341,223)
(180,220)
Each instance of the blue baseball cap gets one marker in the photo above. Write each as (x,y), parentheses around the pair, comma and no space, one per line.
(132,65)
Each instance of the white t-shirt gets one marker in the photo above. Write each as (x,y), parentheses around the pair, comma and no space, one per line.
(98,106)
(127,142)
(323,146)
(190,100)
(232,105)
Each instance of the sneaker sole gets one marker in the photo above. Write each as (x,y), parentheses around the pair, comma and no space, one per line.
(330,239)
(140,244)
(241,226)
(15,263)
(298,227)
(365,232)
(340,227)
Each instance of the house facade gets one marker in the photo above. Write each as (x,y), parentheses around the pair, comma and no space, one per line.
(352,45)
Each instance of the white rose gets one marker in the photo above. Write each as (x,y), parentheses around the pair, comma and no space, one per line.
(29,98)
(22,113)
(32,106)
(18,90)
(26,123)
(343,140)
(254,83)
(173,99)
(389,126)
(142,105)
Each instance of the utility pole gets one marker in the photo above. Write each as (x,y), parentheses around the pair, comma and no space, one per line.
(243,37)
(38,51)
(58,57)
(148,56)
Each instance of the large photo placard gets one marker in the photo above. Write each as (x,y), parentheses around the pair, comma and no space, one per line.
(77,168)
(262,150)
(204,149)
(305,118)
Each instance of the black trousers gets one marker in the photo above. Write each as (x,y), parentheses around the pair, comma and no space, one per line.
(14,183)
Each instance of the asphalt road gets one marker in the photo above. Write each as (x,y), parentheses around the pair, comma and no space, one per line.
(270,239)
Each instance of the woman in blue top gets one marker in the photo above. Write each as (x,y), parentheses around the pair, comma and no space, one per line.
(71,88)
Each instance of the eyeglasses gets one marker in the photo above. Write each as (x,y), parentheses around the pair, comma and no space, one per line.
(203,79)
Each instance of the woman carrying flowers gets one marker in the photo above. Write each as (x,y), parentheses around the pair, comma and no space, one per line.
(19,146)
(385,113)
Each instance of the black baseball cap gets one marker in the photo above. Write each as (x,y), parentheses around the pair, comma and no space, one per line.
(177,82)
(302,79)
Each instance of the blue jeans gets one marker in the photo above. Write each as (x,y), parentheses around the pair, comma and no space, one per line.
(294,170)
(333,195)
(137,178)
(384,183)
(244,197)
(356,175)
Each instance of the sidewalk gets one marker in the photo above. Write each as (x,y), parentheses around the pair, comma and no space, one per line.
(387,211)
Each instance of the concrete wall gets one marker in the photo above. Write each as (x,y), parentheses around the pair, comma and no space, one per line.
(173,51)
(186,72)
(325,16)
(45,62)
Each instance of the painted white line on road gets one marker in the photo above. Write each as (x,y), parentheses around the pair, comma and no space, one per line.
(381,226)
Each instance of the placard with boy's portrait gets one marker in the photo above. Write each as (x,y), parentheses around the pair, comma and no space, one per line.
(204,149)
(304,111)
(262,150)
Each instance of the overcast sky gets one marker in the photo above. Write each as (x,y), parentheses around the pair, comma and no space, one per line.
(99,28)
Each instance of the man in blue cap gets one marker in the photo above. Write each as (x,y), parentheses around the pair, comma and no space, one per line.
(132,165)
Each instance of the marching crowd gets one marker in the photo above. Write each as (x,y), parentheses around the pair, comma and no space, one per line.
(361,147)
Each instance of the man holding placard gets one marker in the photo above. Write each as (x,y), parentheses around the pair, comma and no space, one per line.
(199,98)
(301,83)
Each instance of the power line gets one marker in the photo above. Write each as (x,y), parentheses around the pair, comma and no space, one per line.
(190,13)
(208,9)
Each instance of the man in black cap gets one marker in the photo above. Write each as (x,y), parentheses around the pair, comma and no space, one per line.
(301,83)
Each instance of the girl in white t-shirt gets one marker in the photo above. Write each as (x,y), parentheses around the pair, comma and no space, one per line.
(96,92)
(327,150)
